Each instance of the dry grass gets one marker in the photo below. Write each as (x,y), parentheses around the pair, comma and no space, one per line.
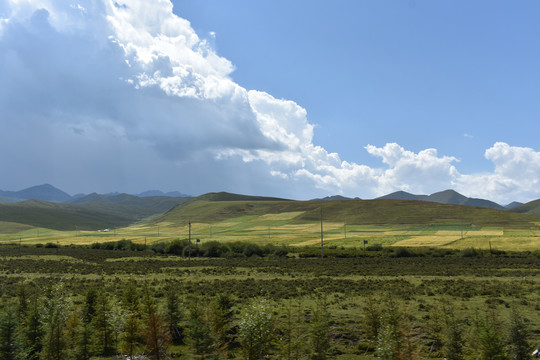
(499,232)
(514,243)
(429,241)
(280,217)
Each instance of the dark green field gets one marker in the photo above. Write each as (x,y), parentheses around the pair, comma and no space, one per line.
(342,303)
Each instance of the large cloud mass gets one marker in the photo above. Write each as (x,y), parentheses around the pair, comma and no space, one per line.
(123,95)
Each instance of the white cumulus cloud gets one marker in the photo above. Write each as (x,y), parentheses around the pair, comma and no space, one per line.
(516,175)
(101,95)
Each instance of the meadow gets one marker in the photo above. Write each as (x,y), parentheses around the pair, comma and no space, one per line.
(285,229)
(352,307)
(245,280)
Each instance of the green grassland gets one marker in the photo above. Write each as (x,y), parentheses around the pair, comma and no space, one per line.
(423,290)
(298,223)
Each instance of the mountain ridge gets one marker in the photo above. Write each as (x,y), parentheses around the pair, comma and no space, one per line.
(450,197)
(44,192)
(48,192)
(95,211)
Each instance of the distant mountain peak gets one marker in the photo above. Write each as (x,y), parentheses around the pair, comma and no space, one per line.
(45,192)
(513,205)
(403,195)
(335,198)
(161,193)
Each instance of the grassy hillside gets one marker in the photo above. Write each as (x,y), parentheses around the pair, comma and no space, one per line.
(59,216)
(373,212)
(9,200)
(531,208)
(225,196)
(125,205)
(91,212)
(230,217)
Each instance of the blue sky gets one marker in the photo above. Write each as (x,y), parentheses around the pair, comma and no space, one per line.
(298,99)
(453,75)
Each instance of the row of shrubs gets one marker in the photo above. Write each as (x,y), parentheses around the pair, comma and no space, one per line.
(217,249)
(395,252)
(182,247)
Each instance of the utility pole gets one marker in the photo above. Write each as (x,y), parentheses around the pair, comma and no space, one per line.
(345,227)
(189,239)
(365,242)
(322,239)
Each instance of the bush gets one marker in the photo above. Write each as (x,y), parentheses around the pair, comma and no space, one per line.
(281,251)
(176,247)
(213,249)
(237,247)
(374,247)
(158,248)
(470,252)
(403,252)
(192,251)
(253,250)
(440,252)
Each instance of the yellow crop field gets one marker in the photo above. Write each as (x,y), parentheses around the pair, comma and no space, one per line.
(515,243)
(280,217)
(430,241)
(499,232)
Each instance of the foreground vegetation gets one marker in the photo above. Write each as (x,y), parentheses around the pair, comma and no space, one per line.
(245,278)
(82,303)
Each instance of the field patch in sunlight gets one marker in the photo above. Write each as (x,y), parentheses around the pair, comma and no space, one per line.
(513,243)
(280,217)
(431,241)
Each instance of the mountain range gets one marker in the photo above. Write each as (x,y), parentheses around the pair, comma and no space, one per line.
(449,197)
(47,192)
(48,207)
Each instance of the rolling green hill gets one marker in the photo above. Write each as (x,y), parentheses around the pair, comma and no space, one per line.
(95,212)
(531,208)
(125,205)
(91,212)
(59,216)
(381,211)
(225,196)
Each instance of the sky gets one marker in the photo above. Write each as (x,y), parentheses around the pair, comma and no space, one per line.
(296,99)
